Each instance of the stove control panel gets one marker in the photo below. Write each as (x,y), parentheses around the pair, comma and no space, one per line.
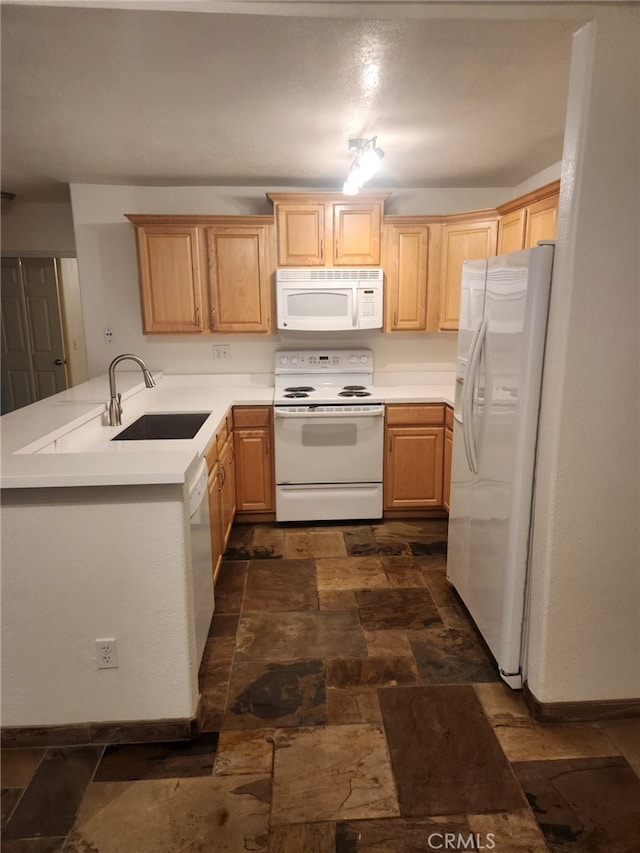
(334,361)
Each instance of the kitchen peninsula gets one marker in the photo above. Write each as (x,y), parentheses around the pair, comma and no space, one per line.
(96,544)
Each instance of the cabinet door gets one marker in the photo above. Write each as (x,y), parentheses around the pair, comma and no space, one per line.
(542,221)
(357,233)
(406,269)
(239,278)
(215,516)
(460,242)
(170,279)
(448,454)
(511,228)
(228,492)
(301,234)
(254,470)
(413,467)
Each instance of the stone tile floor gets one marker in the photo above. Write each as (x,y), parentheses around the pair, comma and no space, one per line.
(350,706)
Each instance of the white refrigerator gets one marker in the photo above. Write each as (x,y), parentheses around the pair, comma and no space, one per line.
(503,321)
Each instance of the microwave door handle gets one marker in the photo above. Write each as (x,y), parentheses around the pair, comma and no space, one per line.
(354,319)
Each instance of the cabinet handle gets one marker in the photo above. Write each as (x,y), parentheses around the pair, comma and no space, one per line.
(220,477)
(213,318)
(197,315)
(321,250)
(395,316)
(266,447)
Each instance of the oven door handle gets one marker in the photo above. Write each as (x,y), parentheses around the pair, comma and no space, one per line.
(373,412)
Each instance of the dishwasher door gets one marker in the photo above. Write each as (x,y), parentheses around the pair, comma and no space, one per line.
(201,562)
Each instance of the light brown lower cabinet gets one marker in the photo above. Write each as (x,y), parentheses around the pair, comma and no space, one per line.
(448,453)
(253,444)
(215,515)
(222,491)
(226,461)
(414,454)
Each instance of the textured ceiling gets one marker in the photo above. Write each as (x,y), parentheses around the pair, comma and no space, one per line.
(104,95)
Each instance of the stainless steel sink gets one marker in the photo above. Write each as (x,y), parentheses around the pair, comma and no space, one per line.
(172,425)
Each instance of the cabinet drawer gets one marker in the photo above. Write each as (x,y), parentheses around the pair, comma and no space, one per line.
(426,414)
(251,416)
(448,417)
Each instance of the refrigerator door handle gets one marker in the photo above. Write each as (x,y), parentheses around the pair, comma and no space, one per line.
(467,404)
(466,393)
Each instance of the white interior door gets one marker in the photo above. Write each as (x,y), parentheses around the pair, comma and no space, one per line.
(33,357)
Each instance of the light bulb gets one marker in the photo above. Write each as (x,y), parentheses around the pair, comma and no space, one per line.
(369,162)
(350,188)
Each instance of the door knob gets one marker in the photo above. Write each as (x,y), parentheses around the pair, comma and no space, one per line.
(58,361)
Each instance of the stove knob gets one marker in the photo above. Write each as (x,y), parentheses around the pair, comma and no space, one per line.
(294,359)
(364,359)
(283,359)
(353,359)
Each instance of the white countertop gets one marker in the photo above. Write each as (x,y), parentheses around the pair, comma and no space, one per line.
(64,441)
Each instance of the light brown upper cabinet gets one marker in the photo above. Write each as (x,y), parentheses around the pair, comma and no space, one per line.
(411,261)
(322,229)
(528,219)
(239,277)
(170,275)
(205,274)
(465,236)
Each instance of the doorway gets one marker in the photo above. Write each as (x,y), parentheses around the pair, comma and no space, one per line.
(34,346)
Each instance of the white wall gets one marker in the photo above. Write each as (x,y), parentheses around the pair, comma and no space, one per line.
(109,281)
(37,229)
(109,278)
(585,595)
(56,603)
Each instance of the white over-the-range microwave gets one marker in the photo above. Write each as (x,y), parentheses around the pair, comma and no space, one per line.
(317,299)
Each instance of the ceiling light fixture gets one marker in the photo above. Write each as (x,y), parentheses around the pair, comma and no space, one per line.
(365,164)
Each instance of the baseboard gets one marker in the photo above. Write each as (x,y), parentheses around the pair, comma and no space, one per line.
(129,731)
(390,514)
(580,712)
(246,517)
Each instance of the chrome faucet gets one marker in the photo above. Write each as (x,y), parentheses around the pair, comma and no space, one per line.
(115,407)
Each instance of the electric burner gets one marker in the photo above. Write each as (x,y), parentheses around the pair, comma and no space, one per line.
(324,377)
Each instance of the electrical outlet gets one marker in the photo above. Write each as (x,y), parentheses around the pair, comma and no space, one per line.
(107,653)
(222,352)
(108,335)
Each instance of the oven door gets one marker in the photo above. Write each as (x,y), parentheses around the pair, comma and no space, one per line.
(329,444)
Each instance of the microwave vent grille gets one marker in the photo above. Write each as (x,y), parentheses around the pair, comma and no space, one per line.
(330,274)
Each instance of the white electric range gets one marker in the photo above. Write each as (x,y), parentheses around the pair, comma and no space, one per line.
(329,432)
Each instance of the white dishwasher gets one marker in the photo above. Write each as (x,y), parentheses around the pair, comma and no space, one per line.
(201,568)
